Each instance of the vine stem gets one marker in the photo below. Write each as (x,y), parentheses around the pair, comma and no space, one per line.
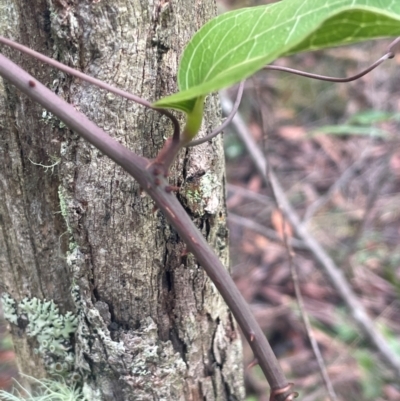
(160,192)
(93,81)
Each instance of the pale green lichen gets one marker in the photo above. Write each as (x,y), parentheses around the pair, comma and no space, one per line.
(51,329)
(63,207)
(9,308)
(148,353)
(208,187)
(50,119)
(72,245)
(203,197)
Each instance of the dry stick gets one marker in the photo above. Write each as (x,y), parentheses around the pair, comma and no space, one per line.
(247,193)
(136,166)
(333,272)
(347,174)
(306,321)
(318,393)
(381,179)
(293,271)
(266,232)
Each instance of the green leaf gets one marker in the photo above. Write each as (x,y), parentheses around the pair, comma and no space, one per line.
(193,120)
(235,45)
(369,117)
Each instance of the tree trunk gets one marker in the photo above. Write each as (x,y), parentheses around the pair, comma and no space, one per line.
(136,318)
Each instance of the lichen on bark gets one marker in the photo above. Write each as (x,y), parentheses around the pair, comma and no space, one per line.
(150,323)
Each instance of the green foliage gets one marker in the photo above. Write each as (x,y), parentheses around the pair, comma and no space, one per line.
(344,329)
(235,45)
(369,117)
(361,124)
(347,129)
(50,328)
(233,147)
(371,375)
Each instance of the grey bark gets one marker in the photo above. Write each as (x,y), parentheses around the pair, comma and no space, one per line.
(147,323)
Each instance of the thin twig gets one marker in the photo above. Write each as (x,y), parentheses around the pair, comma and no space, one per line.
(160,191)
(343,179)
(293,271)
(266,232)
(92,80)
(390,53)
(335,275)
(247,193)
(227,121)
(330,79)
(310,334)
(381,179)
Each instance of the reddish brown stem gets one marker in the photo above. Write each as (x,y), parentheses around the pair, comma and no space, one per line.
(92,81)
(138,167)
(390,53)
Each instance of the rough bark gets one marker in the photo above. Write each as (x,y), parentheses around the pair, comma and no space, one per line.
(147,323)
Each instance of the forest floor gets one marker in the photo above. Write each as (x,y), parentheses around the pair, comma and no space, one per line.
(335,150)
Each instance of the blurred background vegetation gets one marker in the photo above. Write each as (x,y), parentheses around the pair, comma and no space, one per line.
(336,151)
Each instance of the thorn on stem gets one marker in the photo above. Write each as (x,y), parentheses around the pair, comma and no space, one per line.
(31,83)
(156,171)
(171,188)
(252,337)
(253,363)
(157,181)
(278,391)
(155,208)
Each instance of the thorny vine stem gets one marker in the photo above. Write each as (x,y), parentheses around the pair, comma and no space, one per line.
(159,190)
(92,80)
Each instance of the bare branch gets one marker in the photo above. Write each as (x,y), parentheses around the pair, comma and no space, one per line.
(346,176)
(266,232)
(306,321)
